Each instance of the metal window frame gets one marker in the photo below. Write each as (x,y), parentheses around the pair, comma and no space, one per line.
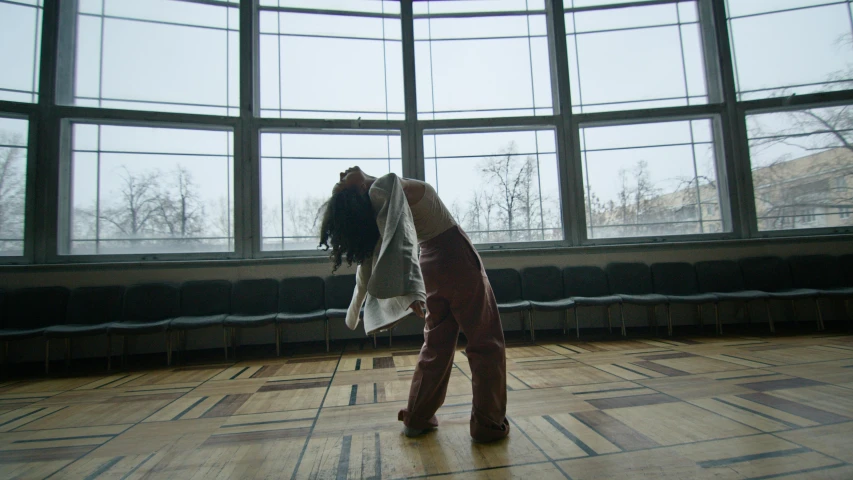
(49,117)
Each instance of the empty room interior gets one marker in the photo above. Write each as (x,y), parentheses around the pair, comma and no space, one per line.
(605,239)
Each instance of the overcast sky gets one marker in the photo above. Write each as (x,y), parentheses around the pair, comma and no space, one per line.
(155,66)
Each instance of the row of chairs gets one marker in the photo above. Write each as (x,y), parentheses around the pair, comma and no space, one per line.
(57,313)
(543,289)
(152,308)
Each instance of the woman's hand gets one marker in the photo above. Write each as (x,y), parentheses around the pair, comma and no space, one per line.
(419,308)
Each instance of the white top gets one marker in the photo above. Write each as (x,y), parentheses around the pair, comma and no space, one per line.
(430,215)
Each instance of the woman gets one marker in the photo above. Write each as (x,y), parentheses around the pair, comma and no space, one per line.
(458,296)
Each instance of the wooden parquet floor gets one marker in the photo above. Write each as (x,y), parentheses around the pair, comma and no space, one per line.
(685,408)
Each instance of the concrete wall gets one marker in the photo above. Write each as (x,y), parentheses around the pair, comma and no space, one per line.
(125,274)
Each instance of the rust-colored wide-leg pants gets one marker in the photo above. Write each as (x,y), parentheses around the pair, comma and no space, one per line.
(459,296)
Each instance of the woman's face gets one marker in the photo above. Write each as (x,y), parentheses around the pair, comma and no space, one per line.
(349,177)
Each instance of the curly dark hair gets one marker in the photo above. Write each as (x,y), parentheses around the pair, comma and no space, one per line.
(349,227)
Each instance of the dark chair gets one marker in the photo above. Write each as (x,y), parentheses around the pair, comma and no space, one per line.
(28,312)
(823,273)
(677,282)
(724,279)
(301,300)
(339,291)
(543,288)
(204,303)
(587,286)
(148,309)
(254,303)
(506,285)
(846,264)
(91,311)
(773,276)
(632,282)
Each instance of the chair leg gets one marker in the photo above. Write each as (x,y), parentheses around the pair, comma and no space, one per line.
(609,322)
(746,312)
(390,337)
(168,348)
(717,318)
(234,342)
(820,325)
(566,329)
(183,336)
(700,319)
(109,352)
(46,354)
(123,350)
(67,353)
(532,329)
(326,328)
(847,312)
(668,320)
(277,340)
(794,310)
(225,341)
(769,316)
(622,318)
(374,340)
(577,323)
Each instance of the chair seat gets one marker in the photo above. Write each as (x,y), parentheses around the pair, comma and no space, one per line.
(17,334)
(795,293)
(516,306)
(697,298)
(643,299)
(553,305)
(286,317)
(741,296)
(67,331)
(250,320)
(139,328)
(200,321)
(601,301)
(340,313)
(837,292)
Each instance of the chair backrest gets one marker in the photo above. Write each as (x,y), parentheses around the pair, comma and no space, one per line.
(541,284)
(629,278)
(95,305)
(39,307)
(719,276)
(257,296)
(815,271)
(585,281)
(675,278)
(302,294)
(339,289)
(845,262)
(506,284)
(205,297)
(768,274)
(150,302)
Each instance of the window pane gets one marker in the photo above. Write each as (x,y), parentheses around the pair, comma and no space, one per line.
(13,184)
(298,171)
(316,65)
(499,186)
(149,190)
(482,66)
(20,44)
(640,57)
(802,167)
(790,47)
(651,179)
(165,55)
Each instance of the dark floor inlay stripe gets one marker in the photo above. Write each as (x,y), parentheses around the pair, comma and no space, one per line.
(632,370)
(262,436)
(378,466)
(667,356)
(238,373)
(570,436)
(358,364)
(292,386)
(761,348)
(311,360)
(353,394)
(145,398)
(797,472)
(111,382)
(750,376)
(103,468)
(54,439)
(794,408)
(781,384)
(748,458)
(756,412)
(227,406)
(383,362)
(21,416)
(615,431)
(745,359)
(266,371)
(44,454)
(187,410)
(134,469)
(343,463)
(610,390)
(630,401)
(266,423)
(670,372)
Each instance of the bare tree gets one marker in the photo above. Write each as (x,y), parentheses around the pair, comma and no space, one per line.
(136,207)
(179,211)
(12,187)
(508,173)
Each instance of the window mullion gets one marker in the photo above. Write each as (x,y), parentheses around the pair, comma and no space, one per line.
(412,135)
